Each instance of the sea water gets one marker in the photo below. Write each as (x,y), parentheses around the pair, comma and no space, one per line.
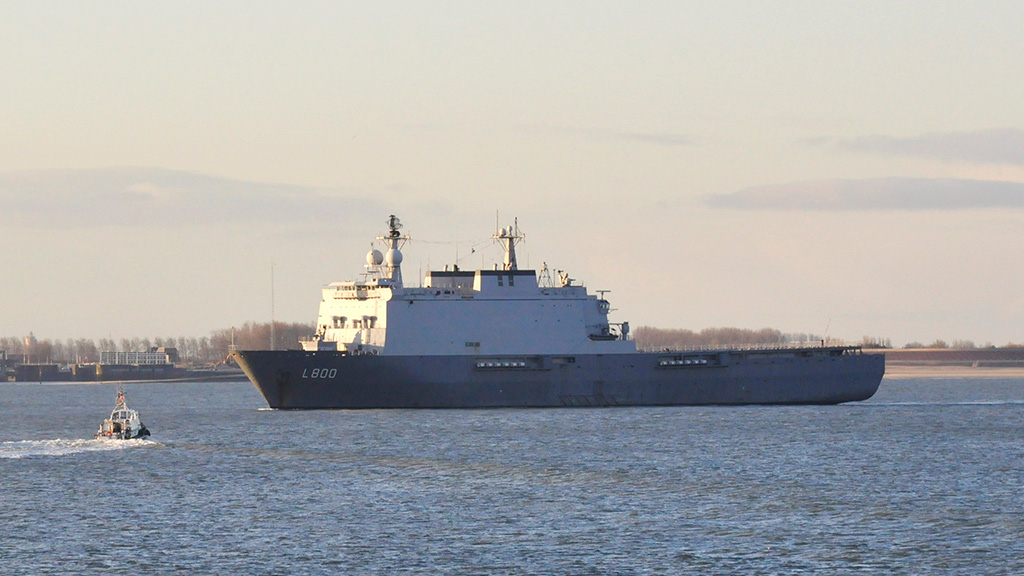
(925,478)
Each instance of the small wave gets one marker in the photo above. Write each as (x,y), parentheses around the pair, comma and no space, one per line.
(64,447)
(951,403)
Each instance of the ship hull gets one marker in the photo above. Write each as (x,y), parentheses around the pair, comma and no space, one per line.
(335,380)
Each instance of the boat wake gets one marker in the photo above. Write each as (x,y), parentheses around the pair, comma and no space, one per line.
(64,447)
(951,403)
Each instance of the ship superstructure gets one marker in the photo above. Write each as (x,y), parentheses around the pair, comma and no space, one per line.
(456,312)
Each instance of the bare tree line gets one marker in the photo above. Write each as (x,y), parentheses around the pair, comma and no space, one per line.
(213,349)
(202,351)
(648,338)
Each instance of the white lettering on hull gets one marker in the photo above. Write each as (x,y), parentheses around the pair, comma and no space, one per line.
(321,373)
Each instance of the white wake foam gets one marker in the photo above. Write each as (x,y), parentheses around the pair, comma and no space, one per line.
(63,447)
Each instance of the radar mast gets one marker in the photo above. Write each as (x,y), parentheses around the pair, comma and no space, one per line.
(393,257)
(509,237)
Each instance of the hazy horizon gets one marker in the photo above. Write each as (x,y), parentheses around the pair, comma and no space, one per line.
(836,168)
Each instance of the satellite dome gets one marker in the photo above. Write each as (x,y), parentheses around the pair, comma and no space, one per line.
(374,257)
(394,257)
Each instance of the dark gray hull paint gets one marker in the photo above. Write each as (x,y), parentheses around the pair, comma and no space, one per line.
(334,380)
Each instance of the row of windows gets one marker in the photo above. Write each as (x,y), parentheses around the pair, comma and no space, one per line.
(364,322)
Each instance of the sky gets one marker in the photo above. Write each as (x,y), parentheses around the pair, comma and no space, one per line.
(850,169)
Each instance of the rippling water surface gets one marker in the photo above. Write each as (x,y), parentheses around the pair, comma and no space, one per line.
(925,478)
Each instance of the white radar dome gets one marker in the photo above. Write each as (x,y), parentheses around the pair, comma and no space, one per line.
(374,257)
(393,257)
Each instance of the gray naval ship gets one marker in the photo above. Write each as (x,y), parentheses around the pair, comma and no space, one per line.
(516,338)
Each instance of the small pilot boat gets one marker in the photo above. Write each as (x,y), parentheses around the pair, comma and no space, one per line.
(123,424)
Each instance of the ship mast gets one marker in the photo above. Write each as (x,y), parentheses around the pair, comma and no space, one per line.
(393,257)
(509,237)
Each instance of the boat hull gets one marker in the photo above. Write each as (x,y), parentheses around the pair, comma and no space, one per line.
(297,379)
(106,433)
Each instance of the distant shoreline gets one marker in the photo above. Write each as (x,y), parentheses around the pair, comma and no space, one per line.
(907,371)
(212,376)
(953,363)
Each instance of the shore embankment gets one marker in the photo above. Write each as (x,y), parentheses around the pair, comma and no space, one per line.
(953,363)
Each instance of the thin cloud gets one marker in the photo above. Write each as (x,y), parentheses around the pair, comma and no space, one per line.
(156,196)
(876,194)
(660,139)
(590,133)
(654,138)
(1002,146)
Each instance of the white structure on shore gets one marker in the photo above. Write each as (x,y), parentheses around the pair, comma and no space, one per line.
(154,357)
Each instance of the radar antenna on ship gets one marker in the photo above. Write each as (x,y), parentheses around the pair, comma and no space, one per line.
(509,237)
(395,225)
